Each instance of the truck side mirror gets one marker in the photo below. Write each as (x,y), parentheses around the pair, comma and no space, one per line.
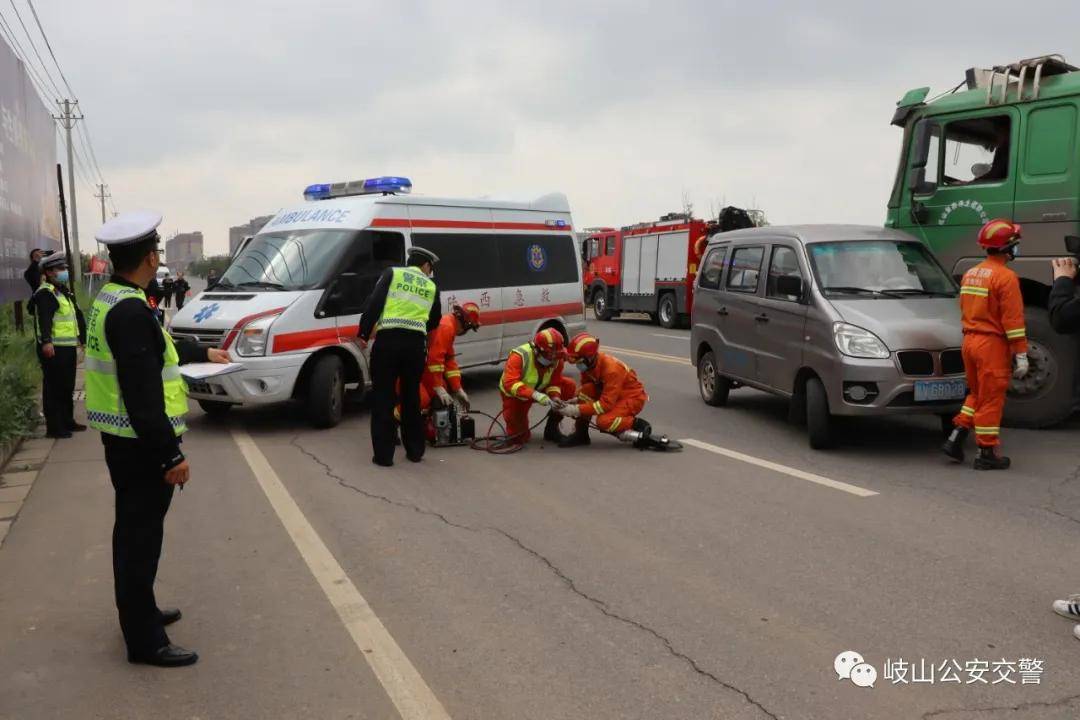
(790,285)
(1072,244)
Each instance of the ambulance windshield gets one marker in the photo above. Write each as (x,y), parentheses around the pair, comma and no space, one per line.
(288,260)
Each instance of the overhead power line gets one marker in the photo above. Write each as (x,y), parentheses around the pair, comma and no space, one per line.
(48,45)
(32,73)
(33,46)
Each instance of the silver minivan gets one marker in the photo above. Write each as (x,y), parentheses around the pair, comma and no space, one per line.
(841,319)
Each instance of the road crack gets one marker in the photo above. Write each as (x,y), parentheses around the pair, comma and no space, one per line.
(1007,708)
(1050,486)
(565,579)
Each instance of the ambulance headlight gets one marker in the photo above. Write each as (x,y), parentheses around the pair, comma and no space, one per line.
(251,342)
(855,342)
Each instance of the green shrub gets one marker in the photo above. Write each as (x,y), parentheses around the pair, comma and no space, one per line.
(20,377)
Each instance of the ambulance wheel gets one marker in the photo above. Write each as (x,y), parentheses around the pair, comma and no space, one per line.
(819,423)
(713,386)
(213,408)
(326,392)
(1045,396)
(600,308)
(667,313)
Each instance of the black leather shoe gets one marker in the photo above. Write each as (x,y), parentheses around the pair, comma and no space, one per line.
(579,437)
(415,458)
(988,459)
(59,435)
(170,615)
(77,427)
(382,463)
(552,433)
(954,445)
(166,656)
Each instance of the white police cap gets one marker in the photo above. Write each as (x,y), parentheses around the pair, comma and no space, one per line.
(129,228)
(55,259)
(423,255)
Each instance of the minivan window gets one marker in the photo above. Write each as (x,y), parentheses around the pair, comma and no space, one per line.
(878,268)
(288,260)
(784,262)
(712,267)
(745,269)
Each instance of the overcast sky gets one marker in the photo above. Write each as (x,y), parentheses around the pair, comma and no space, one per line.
(215,112)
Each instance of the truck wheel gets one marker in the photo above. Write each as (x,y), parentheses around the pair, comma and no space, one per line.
(213,408)
(1046,396)
(668,314)
(819,423)
(326,392)
(713,386)
(600,308)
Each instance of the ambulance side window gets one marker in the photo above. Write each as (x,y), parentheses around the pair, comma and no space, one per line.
(526,260)
(373,252)
(467,261)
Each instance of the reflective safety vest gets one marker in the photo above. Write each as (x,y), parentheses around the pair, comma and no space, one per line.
(408,301)
(65,327)
(532,374)
(104,404)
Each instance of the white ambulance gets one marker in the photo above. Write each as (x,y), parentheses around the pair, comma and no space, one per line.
(288,308)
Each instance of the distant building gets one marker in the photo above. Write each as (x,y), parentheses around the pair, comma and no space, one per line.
(183,249)
(237,233)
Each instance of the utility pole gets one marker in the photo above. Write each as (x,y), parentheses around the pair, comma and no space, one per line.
(102,195)
(68,117)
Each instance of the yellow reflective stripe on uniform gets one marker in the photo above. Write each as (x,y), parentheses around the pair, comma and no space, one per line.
(978,291)
(108,367)
(598,408)
(615,424)
(1018,333)
(987,430)
(453,373)
(969,411)
(436,368)
(515,386)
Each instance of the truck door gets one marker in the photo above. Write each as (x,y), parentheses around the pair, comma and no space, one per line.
(961,174)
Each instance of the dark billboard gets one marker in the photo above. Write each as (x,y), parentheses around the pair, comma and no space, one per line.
(29,209)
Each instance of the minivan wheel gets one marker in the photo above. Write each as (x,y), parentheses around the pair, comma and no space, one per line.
(326,392)
(819,423)
(713,386)
(668,315)
(600,306)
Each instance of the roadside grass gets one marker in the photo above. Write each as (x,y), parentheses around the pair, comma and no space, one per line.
(19,377)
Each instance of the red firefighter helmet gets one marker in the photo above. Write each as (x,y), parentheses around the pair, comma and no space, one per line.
(468,314)
(549,343)
(583,346)
(999,234)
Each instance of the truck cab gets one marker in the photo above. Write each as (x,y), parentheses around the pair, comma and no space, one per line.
(600,253)
(1003,144)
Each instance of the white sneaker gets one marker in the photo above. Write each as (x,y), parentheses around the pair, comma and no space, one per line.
(1069,607)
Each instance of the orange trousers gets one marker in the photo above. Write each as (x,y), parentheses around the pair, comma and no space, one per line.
(619,418)
(988,365)
(516,411)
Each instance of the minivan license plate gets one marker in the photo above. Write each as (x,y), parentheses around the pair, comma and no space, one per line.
(931,390)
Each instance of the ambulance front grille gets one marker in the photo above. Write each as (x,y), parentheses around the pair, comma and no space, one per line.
(203,337)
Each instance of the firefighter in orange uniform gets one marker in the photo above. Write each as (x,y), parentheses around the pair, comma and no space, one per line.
(442,376)
(610,394)
(533,374)
(995,344)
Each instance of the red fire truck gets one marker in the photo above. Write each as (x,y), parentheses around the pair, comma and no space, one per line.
(649,267)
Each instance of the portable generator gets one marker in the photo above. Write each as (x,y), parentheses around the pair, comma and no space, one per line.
(451,427)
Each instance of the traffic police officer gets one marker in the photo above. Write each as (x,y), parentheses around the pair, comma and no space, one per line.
(137,399)
(60,329)
(402,310)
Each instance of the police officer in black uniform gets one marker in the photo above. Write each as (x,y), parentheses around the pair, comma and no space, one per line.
(398,355)
(60,329)
(147,464)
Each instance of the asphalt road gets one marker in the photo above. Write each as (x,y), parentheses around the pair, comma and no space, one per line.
(599,582)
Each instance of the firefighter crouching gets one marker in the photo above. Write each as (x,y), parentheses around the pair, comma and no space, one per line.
(442,376)
(995,345)
(610,394)
(533,374)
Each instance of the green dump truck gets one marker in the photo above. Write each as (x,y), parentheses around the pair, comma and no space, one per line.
(1001,144)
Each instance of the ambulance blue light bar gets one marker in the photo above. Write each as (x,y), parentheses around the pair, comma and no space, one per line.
(372,186)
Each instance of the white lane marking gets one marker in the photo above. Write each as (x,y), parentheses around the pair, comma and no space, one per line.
(647,355)
(784,469)
(411,696)
(674,337)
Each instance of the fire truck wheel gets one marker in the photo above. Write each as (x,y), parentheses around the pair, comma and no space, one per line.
(326,392)
(600,308)
(668,314)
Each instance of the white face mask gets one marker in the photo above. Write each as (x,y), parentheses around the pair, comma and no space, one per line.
(541,360)
(583,367)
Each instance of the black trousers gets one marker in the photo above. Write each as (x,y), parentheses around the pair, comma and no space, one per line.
(179,301)
(57,385)
(142,500)
(167,300)
(397,355)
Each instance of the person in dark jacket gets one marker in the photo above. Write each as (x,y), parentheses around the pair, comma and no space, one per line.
(137,398)
(181,288)
(1064,304)
(167,291)
(60,330)
(155,298)
(32,275)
